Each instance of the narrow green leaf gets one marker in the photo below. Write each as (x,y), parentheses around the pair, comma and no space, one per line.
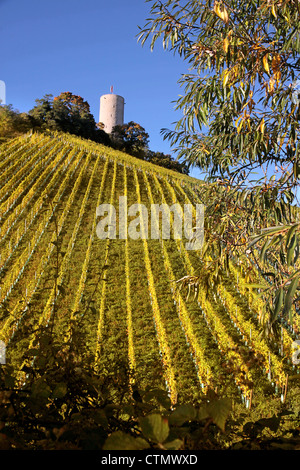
(291,249)
(255,240)
(290,234)
(263,250)
(255,286)
(290,295)
(296,169)
(278,302)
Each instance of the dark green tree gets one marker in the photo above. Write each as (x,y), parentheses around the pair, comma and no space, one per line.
(43,113)
(131,138)
(67,113)
(161,159)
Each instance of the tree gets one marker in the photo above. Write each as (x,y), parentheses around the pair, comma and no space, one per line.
(67,113)
(42,112)
(131,138)
(159,158)
(13,123)
(74,114)
(240,115)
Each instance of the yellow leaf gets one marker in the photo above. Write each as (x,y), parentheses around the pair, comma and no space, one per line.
(221,12)
(262,126)
(266,64)
(225,77)
(225,44)
(276,59)
(239,127)
(217,8)
(271,85)
(273,11)
(277,76)
(225,16)
(236,122)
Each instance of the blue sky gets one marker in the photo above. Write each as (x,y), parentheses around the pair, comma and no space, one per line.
(85,47)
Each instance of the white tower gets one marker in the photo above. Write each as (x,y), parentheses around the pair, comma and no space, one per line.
(111,111)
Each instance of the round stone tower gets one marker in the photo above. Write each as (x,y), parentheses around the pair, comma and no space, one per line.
(111,111)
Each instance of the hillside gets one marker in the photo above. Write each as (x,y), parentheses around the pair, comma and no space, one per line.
(119,298)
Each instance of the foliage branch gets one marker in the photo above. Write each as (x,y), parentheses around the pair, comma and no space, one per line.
(240,115)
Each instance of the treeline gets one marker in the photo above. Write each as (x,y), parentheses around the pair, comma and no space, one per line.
(71,114)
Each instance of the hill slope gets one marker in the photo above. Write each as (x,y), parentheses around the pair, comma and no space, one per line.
(118,297)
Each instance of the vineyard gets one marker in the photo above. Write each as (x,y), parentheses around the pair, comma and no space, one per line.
(122,295)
